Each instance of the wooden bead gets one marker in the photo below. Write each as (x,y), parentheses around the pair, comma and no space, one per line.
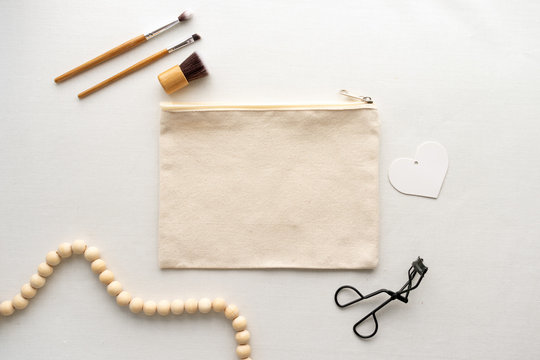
(53,258)
(164,307)
(45,270)
(231,312)
(177,307)
(37,281)
(78,247)
(191,306)
(64,250)
(91,253)
(106,277)
(243,351)
(6,308)
(219,305)
(136,305)
(149,307)
(123,299)
(240,323)
(98,266)
(114,288)
(242,337)
(27,291)
(205,305)
(19,302)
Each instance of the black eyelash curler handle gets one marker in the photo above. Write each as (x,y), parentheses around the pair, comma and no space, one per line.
(417,268)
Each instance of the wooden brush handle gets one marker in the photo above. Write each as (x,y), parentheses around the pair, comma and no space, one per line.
(125,72)
(120,49)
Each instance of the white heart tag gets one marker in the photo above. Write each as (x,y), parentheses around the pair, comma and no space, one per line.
(422,176)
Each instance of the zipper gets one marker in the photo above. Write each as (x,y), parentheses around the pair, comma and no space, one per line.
(366,99)
(355,102)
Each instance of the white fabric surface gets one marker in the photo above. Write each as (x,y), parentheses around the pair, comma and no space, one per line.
(462,73)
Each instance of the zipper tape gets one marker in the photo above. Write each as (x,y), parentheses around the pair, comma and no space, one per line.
(358,102)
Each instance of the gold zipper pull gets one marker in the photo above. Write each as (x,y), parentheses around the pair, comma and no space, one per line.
(365,99)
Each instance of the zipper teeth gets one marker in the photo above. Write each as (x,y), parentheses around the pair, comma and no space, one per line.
(176,107)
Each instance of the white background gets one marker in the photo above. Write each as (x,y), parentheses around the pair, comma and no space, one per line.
(464,73)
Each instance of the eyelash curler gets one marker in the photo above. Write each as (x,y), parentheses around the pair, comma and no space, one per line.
(417,268)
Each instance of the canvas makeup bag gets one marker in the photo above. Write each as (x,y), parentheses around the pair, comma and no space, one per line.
(269,186)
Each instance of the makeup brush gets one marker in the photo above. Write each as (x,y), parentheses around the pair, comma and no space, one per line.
(149,60)
(120,49)
(180,76)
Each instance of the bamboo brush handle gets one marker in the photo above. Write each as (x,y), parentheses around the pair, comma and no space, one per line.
(124,73)
(120,49)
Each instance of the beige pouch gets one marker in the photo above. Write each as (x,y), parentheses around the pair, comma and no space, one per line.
(269,186)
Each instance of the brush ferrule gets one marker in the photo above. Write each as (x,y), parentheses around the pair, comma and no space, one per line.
(161,29)
(181,45)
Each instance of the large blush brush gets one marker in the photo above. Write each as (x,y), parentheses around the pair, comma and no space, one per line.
(149,60)
(180,76)
(120,49)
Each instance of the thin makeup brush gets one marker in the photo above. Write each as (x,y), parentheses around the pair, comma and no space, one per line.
(149,60)
(120,49)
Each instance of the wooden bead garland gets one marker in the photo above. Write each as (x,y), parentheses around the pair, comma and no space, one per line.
(114,288)
(123,298)
(243,351)
(78,247)
(53,258)
(219,305)
(177,307)
(149,307)
(64,250)
(19,302)
(37,281)
(27,291)
(91,254)
(231,312)
(164,307)
(205,306)
(191,306)
(106,277)
(239,324)
(98,266)
(45,270)
(242,337)
(136,305)
(6,308)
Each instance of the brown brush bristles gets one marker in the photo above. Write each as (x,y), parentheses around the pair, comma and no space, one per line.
(193,68)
